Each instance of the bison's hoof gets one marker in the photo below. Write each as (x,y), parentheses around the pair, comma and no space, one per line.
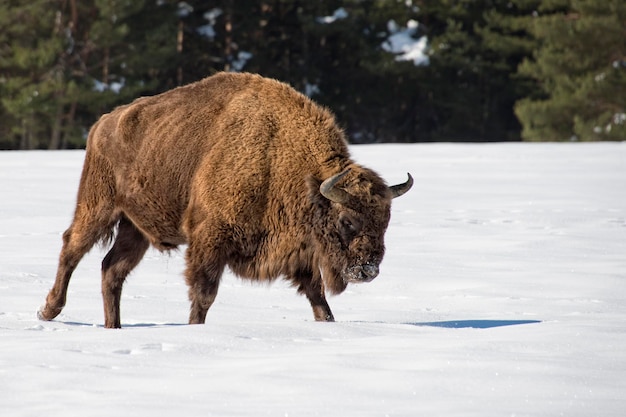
(326,318)
(40,314)
(45,314)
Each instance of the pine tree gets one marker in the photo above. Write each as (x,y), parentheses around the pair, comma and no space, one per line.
(7,120)
(329,50)
(32,75)
(476,46)
(581,68)
(375,95)
(66,62)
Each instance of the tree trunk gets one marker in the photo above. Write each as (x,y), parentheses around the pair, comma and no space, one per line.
(228,39)
(179,49)
(105,66)
(69,122)
(24,135)
(57,126)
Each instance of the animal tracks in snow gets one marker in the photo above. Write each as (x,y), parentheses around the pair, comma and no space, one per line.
(617,222)
(149,348)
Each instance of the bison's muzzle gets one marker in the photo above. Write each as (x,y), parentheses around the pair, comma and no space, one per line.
(361,273)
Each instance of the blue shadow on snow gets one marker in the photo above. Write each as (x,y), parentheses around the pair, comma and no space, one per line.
(474,324)
(124,325)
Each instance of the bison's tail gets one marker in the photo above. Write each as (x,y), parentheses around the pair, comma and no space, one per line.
(96,216)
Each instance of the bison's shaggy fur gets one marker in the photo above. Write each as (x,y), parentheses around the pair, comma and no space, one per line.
(232,167)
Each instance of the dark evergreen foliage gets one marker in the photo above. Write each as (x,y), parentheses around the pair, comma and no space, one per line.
(580,67)
(497,70)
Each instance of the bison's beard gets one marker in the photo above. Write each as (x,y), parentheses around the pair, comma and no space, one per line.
(334,281)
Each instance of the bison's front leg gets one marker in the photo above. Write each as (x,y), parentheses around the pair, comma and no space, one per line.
(312,286)
(321,309)
(204,270)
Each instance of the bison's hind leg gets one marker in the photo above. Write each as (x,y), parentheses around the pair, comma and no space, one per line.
(129,247)
(94,220)
(78,239)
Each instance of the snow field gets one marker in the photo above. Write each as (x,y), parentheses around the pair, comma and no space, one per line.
(502,293)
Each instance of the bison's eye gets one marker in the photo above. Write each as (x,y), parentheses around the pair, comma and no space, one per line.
(349,227)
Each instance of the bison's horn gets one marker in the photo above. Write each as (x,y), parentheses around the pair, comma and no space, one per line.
(328,189)
(398,190)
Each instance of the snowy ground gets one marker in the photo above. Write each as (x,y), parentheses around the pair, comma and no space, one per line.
(503,293)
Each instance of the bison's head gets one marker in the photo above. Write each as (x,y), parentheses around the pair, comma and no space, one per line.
(352,210)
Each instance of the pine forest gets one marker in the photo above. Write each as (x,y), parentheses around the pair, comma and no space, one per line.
(391,70)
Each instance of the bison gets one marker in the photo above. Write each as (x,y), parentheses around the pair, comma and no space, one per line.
(245,171)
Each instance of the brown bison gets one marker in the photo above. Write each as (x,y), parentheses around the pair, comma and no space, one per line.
(248,173)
